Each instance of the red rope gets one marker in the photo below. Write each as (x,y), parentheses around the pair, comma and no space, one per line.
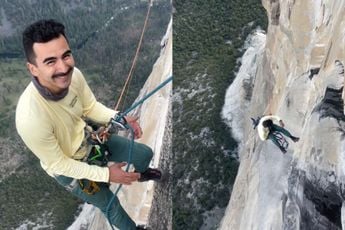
(135,58)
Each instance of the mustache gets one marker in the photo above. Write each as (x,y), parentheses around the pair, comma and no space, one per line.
(63,74)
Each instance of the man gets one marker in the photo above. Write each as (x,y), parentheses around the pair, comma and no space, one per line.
(267,129)
(49,119)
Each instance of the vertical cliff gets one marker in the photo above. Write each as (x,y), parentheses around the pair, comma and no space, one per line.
(299,77)
(155,119)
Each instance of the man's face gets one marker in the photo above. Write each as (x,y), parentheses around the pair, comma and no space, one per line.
(54,64)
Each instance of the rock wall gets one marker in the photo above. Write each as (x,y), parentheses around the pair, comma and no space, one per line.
(155,121)
(299,77)
(160,217)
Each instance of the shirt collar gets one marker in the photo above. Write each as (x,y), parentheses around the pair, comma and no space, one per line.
(46,92)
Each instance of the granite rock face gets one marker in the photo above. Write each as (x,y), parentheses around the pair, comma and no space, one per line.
(299,77)
(160,217)
(143,201)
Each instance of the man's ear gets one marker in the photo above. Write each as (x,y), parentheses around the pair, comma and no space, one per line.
(32,68)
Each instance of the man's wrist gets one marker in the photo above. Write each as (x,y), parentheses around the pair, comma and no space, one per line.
(108,174)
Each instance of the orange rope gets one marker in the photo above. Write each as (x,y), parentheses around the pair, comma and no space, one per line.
(135,57)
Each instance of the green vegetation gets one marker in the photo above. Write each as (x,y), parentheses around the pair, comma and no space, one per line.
(103,49)
(208,37)
(29,194)
(12,81)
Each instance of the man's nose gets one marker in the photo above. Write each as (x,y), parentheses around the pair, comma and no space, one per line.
(62,66)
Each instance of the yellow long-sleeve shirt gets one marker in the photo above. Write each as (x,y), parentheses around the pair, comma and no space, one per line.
(54,130)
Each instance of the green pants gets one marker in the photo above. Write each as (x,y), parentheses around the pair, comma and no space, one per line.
(118,148)
(277,128)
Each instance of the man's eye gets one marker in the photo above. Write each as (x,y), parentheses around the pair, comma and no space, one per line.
(67,56)
(50,62)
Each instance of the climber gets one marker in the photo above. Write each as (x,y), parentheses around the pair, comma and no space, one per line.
(50,120)
(268,130)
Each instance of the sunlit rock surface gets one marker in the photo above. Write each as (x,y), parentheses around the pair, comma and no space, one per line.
(155,120)
(299,76)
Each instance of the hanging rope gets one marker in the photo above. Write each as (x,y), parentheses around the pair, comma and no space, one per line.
(122,115)
(131,143)
(128,127)
(161,85)
(135,57)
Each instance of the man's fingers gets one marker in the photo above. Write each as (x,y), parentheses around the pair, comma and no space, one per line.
(126,183)
(131,118)
(130,177)
(133,121)
(137,130)
(138,133)
(120,165)
(135,118)
(133,176)
(118,175)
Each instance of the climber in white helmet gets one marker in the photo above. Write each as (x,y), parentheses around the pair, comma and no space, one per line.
(268,130)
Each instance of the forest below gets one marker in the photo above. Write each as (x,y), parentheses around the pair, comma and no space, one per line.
(208,43)
(103,36)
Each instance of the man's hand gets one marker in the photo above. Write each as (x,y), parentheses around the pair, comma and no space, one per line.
(117,175)
(103,133)
(132,121)
(281,123)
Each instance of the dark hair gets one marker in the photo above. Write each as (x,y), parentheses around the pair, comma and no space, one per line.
(40,32)
(267,124)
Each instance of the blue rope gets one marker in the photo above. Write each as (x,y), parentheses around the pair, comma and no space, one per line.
(130,149)
(131,143)
(161,85)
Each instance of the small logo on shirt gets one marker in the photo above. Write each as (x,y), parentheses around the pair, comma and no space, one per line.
(74,100)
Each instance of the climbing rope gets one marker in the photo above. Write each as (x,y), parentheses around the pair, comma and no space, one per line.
(119,118)
(161,85)
(135,57)
(131,143)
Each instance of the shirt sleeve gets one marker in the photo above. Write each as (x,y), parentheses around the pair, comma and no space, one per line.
(39,137)
(93,109)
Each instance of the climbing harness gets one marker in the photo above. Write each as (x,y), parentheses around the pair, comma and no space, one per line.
(89,187)
(281,140)
(98,155)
